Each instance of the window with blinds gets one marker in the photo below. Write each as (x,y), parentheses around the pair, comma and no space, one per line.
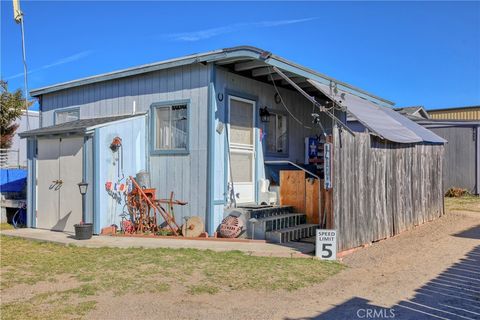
(171,127)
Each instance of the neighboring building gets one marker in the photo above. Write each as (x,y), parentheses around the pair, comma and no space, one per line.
(457,113)
(462,152)
(208,127)
(13,162)
(416,111)
(16,156)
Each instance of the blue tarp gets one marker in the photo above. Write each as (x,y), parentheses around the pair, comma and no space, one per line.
(13,180)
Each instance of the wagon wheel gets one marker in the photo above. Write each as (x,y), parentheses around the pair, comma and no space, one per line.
(193,227)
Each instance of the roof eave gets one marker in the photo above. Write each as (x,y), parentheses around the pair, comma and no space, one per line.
(214,56)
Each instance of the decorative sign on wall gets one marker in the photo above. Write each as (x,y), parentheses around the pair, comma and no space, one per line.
(326,244)
(327,165)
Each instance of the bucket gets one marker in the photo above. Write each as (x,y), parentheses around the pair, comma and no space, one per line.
(83,231)
(143,179)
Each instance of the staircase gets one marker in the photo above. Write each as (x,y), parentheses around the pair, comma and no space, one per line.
(278,224)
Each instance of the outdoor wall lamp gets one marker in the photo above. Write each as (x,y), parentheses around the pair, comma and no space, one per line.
(83,186)
(264,114)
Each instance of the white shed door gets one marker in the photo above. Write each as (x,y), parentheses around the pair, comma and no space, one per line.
(60,166)
(242,148)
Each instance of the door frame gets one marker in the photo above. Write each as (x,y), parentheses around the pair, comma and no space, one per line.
(254,101)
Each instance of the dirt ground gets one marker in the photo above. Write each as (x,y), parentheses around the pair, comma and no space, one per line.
(430,271)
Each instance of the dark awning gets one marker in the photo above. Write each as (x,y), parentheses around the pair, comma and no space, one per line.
(73,127)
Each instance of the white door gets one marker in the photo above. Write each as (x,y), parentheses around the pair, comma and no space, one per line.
(48,188)
(70,169)
(242,148)
(59,169)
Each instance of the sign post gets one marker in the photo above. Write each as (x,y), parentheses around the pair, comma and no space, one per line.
(326,244)
(327,165)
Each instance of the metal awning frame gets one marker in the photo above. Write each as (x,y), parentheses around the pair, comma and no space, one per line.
(320,107)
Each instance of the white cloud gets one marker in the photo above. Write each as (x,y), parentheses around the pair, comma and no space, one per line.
(72,58)
(213,32)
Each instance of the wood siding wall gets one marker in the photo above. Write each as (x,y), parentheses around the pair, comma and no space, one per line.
(186,175)
(383,188)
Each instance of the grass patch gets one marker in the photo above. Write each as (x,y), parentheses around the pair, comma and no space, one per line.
(201,289)
(119,271)
(464,203)
(6,226)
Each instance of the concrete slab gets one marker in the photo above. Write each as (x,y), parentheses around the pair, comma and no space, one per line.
(292,249)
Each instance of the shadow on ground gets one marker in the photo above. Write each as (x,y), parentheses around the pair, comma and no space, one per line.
(472,233)
(454,294)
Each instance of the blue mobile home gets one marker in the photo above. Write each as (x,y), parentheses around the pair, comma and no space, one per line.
(194,123)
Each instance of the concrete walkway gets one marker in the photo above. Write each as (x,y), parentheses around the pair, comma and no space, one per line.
(255,248)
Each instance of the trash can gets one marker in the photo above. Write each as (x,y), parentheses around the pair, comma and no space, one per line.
(83,231)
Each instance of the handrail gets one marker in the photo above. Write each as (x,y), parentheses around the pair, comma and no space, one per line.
(310,173)
(293,164)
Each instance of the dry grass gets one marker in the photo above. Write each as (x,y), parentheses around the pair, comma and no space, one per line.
(121,271)
(6,226)
(465,203)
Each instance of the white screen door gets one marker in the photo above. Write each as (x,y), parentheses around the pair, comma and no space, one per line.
(242,148)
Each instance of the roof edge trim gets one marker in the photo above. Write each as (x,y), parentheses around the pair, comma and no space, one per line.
(213,56)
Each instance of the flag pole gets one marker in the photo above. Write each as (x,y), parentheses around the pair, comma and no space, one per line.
(18,17)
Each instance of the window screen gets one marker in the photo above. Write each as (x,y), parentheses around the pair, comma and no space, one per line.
(171,127)
(277,133)
(241,122)
(66,116)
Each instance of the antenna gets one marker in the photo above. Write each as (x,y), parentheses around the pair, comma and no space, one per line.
(18,17)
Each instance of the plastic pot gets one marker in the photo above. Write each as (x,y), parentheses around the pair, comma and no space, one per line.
(83,231)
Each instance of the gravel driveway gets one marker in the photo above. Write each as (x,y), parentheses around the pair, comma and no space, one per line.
(431,272)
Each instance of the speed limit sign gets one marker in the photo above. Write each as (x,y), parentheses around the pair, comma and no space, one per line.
(326,244)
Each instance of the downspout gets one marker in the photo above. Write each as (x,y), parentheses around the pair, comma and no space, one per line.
(210,216)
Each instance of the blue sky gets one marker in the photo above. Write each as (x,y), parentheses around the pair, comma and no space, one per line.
(413,53)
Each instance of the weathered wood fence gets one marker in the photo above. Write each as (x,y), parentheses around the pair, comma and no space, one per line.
(382,188)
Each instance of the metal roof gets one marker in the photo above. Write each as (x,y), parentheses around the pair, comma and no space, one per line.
(75,127)
(381,121)
(218,56)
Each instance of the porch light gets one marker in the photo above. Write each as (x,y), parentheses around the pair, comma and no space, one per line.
(83,186)
(264,114)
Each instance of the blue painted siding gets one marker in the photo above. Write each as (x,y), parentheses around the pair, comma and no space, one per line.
(228,83)
(133,133)
(185,174)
